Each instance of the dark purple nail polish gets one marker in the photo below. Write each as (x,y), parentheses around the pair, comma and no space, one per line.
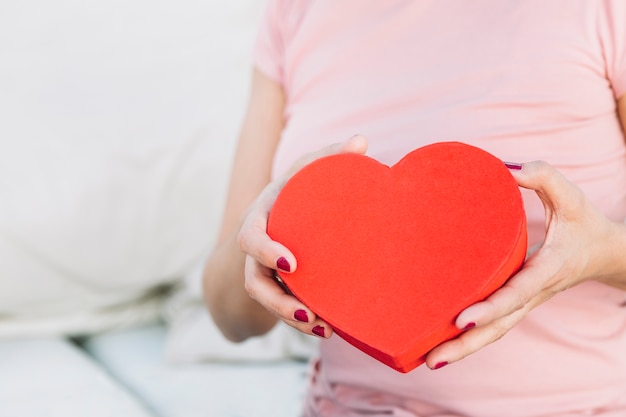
(513,166)
(470,325)
(301,315)
(440,365)
(283,264)
(318,330)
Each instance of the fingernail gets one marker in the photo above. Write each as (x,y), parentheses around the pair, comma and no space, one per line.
(301,315)
(513,166)
(440,365)
(318,330)
(283,264)
(470,325)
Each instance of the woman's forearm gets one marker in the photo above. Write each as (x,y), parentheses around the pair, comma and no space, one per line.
(614,274)
(233,311)
(236,314)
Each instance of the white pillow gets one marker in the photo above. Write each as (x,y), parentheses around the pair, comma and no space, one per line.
(119,120)
(53,378)
(193,337)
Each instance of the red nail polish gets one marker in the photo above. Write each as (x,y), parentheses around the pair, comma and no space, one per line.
(513,166)
(318,330)
(470,325)
(301,315)
(283,264)
(440,365)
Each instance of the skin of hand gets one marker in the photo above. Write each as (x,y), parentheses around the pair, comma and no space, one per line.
(232,276)
(236,315)
(264,256)
(581,244)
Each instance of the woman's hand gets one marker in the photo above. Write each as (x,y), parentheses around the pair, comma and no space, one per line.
(581,244)
(264,256)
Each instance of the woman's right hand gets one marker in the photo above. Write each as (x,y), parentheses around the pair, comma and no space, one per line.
(264,256)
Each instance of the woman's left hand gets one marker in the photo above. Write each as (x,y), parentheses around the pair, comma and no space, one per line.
(580,244)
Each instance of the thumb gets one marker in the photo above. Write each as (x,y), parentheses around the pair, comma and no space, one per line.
(556,192)
(356,144)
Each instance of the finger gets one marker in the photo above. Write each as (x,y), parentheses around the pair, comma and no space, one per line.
(472,341)
(528,287)
(262,287)
(555,191)
(356,144)
(253,238)
(254,241)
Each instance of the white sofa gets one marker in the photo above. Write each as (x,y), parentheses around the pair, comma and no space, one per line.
(124,374)
(118,121)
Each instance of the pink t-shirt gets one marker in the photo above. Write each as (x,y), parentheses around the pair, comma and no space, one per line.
(522,79)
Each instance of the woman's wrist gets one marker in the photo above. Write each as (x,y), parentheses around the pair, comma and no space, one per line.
(613,272)
(236,315)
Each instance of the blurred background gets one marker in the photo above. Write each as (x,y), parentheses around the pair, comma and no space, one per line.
(118,120)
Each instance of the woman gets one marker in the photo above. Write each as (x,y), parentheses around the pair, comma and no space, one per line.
(524,80)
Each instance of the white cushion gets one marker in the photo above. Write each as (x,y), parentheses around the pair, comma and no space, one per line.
(194,337)
(136,359)
(52,378)
(119,120)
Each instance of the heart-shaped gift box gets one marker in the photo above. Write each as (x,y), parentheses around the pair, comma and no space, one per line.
(389,256)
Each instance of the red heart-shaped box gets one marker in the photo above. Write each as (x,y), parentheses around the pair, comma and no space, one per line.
(389,256)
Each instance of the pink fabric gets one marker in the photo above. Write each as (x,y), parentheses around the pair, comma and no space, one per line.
(524,80)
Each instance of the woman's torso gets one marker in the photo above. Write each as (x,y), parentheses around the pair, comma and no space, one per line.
(524,80)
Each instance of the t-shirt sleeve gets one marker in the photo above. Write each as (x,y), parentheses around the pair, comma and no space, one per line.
(612,26)
(269,47)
